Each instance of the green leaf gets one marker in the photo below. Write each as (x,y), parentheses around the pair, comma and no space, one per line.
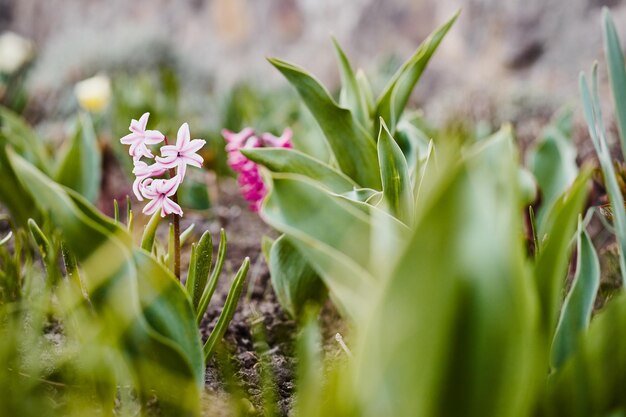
(578,305)
(149,233)
(591,382)
(338,248)
(593,116)
(353,99)
(23,139)
(141,307)
(352,146)
(295,162)
(295,283)
(454,332)
(15,198)
(555,237)
(199,268)
(266,247)
(366,92)
(617,73)
(394,173)
(392,101)
(209,289)
(80,167)
(228,311)
(553,162)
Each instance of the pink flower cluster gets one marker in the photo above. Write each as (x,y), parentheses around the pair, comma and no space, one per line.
(173,158)
(250,181)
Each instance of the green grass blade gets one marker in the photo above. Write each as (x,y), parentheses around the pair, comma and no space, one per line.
(228,311)
(209,289)
(149,233)
(116,211)
(201,266)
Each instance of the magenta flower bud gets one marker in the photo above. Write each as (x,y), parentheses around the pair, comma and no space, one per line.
(249,179)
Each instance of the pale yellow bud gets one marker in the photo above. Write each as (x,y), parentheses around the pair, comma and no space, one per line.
(94,93)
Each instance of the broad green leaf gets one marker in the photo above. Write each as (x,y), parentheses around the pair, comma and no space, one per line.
(392,101)
(617,73)
(553,162)
(578,305)
(136,298)
(80,167)
(454,332)
(15,198)
(555,236)
(295,283)
(331,234)
(353,146)
(15,132)
(394,173)
(591,382)
(593,116)
(295,162)
(365,195)
(353,99)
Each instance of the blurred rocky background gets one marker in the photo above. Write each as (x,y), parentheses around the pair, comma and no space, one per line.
(501,56)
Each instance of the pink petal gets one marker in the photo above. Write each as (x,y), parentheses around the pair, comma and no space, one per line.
(169,150)
(237,139)
(170,207)
(152,137)
(153,206)
(180,172)
(143,121)
(194,146)
(169,161)
(192,159)
(136,189)
(130,138)
(182,138)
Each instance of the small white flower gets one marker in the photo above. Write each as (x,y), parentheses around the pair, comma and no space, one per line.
(15,51)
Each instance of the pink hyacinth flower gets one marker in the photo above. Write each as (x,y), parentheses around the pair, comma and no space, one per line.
(250,181)
(183,153)
(235,141)
(142,172)
(159,192)
(140,138)
(284,141)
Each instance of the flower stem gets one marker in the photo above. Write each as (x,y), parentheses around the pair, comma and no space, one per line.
(176,221)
